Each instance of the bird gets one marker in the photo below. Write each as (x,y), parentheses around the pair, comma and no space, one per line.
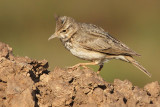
(92,43)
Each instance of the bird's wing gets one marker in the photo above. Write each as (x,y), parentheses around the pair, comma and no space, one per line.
(95,38)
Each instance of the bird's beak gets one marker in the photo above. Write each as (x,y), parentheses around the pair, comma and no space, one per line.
(52,36)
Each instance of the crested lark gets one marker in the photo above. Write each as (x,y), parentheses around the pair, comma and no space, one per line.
(92,43)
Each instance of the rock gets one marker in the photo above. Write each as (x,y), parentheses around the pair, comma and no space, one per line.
(17,78)
(25,82)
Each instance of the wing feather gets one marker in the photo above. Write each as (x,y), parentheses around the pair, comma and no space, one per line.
(95,38)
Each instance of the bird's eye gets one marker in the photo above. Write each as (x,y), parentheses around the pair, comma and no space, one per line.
(63,30)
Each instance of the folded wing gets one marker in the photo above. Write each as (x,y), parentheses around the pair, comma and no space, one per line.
(95,38)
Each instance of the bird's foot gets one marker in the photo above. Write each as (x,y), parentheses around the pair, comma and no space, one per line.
(98,72)
(73,67)
(77,66)
(85,67)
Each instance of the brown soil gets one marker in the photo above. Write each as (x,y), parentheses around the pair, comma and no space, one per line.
(27,83)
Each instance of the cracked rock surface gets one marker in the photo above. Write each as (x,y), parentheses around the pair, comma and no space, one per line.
(25,82)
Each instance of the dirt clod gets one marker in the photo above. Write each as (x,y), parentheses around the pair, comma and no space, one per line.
(25,82)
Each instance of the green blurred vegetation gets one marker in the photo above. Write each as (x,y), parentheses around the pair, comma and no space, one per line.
(26,25)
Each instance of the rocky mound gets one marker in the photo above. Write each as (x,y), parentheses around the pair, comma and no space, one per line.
(27,83)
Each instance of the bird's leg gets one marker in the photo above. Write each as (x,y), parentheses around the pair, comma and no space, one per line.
(100,68)
(83,65)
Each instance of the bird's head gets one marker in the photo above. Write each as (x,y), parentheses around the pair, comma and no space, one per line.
(65,27)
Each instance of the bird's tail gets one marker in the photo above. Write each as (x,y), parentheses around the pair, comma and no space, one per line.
(136,64)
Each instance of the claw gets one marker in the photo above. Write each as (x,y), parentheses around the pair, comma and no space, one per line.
(85,67)
(81,65)
(73,67)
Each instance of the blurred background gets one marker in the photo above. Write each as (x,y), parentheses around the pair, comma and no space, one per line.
(26,26)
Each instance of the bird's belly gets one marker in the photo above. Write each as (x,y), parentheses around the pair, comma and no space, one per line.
(79,52)
(86,54)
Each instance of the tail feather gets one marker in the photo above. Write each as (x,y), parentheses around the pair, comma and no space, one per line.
(136,64)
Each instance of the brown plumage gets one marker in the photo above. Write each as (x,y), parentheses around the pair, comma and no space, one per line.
(92,43)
